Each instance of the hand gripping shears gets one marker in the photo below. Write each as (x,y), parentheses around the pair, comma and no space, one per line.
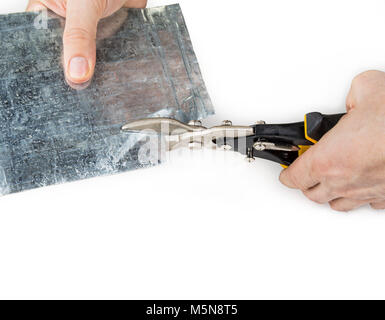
(281,143)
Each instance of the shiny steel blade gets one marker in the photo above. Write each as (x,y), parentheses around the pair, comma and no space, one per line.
(165,126)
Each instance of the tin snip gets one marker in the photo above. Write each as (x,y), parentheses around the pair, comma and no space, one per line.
(281,143)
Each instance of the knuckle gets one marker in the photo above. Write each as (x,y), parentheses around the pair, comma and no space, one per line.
(295,179)
(337,206)
(325,169)
(100,6)
(358,193)
(77,34)
(314,199)
(367,84)
(348,193)
(320,166)
(378,206)
(333,205)
(363,77)
(284,177)
(104,8)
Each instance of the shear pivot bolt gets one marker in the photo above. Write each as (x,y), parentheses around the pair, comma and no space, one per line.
(195,123)
(259,146)
(227,123)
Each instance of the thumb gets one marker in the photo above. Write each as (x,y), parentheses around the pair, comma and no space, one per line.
(79,36)
(300,174)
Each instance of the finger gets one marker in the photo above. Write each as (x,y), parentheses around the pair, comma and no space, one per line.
(35,6)
(320,194)
(300,174)
(112,6)
(79,40)
(136,4)
(378,205)
(56,6)
(345,204)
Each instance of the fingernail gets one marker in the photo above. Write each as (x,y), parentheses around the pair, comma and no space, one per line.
(78,68)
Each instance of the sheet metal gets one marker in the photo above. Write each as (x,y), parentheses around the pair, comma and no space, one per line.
(51,133)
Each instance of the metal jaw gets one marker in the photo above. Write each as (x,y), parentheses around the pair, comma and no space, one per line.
(246,140)
(178,134)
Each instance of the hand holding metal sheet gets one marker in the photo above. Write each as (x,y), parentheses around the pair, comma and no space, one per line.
(82,18)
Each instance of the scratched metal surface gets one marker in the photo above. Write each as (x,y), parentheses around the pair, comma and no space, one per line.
(50,133)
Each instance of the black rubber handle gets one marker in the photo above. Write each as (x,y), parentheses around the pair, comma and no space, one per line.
(318,124)
(301,134)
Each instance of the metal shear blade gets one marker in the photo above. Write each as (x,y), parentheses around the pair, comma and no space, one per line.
(178,134)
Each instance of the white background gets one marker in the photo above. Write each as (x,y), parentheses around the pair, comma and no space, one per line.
(208,224)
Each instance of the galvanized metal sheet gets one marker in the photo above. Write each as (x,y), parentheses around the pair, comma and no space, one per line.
(51,133)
